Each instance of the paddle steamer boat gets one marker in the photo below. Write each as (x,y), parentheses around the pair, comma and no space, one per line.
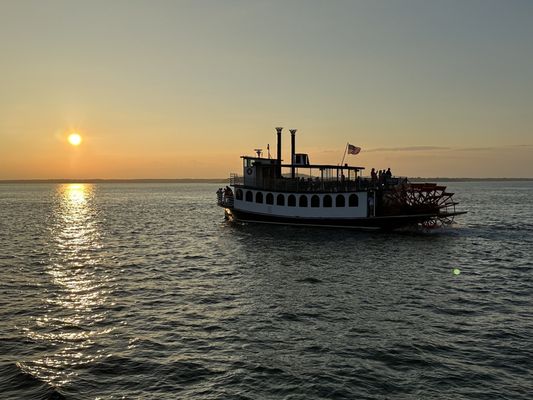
(302,193)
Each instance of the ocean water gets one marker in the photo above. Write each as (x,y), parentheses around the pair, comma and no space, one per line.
(144,291)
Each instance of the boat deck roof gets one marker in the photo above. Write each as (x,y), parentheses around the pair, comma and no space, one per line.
(316,166)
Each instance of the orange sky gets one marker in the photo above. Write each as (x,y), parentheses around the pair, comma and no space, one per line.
(182,89)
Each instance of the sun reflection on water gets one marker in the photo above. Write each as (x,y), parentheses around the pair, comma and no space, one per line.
(78,291)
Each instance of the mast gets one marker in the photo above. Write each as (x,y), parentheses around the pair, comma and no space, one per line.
(344,155)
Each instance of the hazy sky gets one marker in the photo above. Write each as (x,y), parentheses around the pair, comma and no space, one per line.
(173,89)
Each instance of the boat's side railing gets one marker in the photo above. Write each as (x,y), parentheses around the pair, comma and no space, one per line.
(235,179)
(225,199)
(306,185)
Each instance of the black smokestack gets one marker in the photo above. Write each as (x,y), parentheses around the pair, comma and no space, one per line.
(293,150)
(278,167)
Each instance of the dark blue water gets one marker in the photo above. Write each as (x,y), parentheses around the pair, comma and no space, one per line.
(115,291)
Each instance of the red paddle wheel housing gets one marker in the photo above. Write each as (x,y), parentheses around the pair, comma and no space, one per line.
(426,199)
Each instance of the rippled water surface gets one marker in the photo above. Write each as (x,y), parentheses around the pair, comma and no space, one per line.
(111,291)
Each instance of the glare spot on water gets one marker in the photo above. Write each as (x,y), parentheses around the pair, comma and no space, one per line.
(73,310)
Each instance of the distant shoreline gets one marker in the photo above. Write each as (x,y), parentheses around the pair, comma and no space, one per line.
(418,179)
(225,180)
(184,180)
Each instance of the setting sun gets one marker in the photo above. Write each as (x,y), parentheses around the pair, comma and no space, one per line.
(74,139)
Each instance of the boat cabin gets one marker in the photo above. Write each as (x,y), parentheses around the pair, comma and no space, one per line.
(298,176)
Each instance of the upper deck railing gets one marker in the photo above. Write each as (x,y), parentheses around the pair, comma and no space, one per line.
(235,179)
(306,185)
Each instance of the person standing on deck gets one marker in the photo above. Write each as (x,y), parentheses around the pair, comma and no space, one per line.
(373,176)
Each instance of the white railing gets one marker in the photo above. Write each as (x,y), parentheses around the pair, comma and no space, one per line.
(225,199)
(235,179)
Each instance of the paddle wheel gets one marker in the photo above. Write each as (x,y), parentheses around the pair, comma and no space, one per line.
(430,201)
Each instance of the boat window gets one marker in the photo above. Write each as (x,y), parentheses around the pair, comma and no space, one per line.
(327,201)
(238,194)
(249,196)
(303,200)
(259,197)
(315,201)
(280,200)
(291,202)
(353,200)
(270,198)
(340,201)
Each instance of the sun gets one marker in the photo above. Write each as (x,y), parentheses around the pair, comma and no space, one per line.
(74,139)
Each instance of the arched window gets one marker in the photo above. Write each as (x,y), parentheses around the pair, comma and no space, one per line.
(280,200)
(315,201)
(270,198)
(238,194)
(291,202)
(327,201)
(259,197)
(340,201)
(303,200)
(353,201)
(249,196)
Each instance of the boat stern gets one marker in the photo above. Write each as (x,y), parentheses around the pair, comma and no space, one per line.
(225,198)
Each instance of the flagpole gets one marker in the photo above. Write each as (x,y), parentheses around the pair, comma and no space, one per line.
(344,155)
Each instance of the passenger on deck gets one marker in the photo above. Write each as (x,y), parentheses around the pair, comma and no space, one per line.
(373,176)
(380,177)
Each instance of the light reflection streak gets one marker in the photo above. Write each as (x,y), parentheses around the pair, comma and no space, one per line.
(75,304)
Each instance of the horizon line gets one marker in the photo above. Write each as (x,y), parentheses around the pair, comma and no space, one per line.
(225,180)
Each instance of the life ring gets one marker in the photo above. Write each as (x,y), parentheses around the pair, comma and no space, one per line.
(249,171)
